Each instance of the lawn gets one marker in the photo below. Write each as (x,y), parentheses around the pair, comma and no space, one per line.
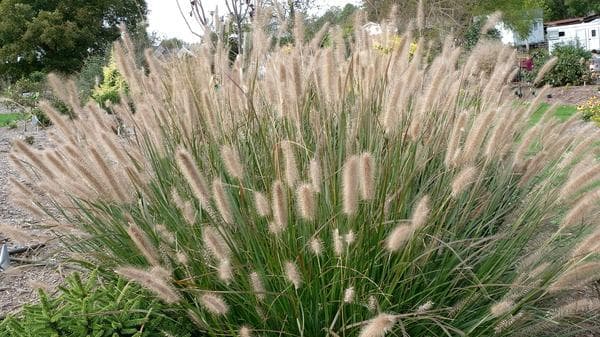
(6,119)
(563,112)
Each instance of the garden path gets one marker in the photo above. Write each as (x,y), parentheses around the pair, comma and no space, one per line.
(18,283)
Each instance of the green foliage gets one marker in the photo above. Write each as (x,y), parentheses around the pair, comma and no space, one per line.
(112,86)
(335,16)
(456,17)
(25,94)
(562,112)
(27,91)
(571,67)
(564,9)
(539,57)
(90,75)
(10,119)
(59,35)
(171,44)
(96,308)
(590,109)
(473,34)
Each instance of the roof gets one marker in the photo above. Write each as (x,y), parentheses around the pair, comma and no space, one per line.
(572,21)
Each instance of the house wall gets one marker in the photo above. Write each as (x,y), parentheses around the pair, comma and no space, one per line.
(575,34)
(510,37)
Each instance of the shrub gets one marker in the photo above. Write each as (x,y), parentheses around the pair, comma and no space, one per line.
(571,67)
(26,94)
(590,109)
(90,75)
(346,196)
(473,34)
(93,308)
(539,57)
(113,84)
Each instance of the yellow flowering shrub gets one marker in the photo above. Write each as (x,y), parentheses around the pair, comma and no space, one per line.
(393,43)
(590,109)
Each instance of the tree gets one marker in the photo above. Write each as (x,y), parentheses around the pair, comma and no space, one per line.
(564,9)
(58,35)
(444,17)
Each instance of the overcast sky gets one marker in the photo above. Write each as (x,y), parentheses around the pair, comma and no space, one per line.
(165,19)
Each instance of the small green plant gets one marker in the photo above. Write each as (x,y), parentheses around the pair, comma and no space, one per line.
(10,119)
(29,140)
(95,307)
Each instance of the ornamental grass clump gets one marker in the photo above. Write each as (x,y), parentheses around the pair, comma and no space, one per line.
(306,191)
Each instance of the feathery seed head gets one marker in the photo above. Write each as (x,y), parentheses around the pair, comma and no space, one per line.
(291,168)
(225,271)
(315,174)
(214,303)
(292,274)
(193,177)
(398,237)
(350,237)
(350,186)
(338,243)
(214,242)
(367,177)
(222,201)
(349,295)
(143,244)
(378,326)
(262,204)
(502,307)
(421,212)
(280,214)
(306,201)
(257,286)
(465,177)
(152,281)
(232,162)
(316,246)
(245,331)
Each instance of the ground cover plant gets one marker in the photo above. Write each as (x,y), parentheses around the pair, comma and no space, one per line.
(10,118)
(94,307)
(562,112)
(302,191)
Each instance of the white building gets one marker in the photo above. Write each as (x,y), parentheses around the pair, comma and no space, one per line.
(510,37)
(584,32)
(535,36)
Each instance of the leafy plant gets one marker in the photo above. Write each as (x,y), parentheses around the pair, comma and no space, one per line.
(590,109)
(90,75)
(369,195)
(571,67)
(473,34)
(93,308)
(539,57)
(112,86)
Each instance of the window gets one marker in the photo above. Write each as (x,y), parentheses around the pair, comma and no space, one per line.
(593,32)
(561,34)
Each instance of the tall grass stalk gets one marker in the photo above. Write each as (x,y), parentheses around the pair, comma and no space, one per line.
(353,194)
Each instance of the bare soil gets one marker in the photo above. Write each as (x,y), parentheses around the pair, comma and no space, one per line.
(573,95)
(41,268)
